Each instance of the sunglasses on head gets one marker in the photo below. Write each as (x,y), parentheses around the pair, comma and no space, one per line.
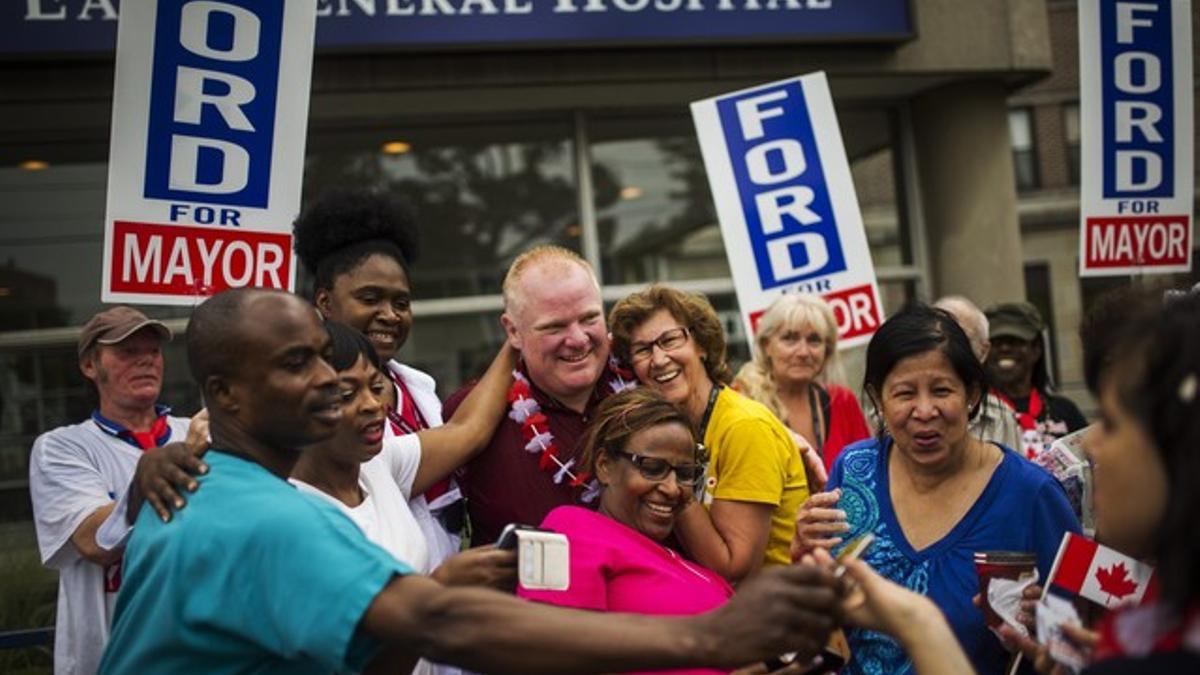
(657,469)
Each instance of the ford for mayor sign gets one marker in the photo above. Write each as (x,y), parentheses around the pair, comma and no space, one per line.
(786,202)
(1136,188)
(209,119)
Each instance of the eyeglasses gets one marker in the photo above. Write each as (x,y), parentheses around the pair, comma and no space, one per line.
(657,469)
(668,341)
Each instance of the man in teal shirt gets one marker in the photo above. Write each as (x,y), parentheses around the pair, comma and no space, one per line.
(254,576)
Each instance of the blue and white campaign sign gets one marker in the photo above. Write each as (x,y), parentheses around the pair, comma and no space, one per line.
(1136,98)
(210,111)
(784,196)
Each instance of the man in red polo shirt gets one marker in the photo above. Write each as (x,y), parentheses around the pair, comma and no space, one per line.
(554,315)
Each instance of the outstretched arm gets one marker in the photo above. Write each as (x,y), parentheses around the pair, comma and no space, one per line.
(448,447)
(785,609)
(480,566)
(878,604)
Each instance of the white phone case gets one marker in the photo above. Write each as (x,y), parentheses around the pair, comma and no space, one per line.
(543,560)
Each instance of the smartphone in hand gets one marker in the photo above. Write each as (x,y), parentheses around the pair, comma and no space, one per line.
(543,556)
(853,551)
(507,541)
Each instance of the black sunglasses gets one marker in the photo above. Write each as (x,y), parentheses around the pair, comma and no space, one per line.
(657,469)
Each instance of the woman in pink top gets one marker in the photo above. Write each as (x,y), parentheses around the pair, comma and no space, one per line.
(641,450)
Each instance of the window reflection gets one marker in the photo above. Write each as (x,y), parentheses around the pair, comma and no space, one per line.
(453,349)
(483,193)
(654,209)
(52,233)
(52,238)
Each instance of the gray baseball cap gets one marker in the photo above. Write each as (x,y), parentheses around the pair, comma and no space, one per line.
(1014,319)
(114,325)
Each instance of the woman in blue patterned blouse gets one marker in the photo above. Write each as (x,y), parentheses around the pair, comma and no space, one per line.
(932,493)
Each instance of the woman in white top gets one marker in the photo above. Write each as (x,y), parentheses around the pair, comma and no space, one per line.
(372,478)
(359,245)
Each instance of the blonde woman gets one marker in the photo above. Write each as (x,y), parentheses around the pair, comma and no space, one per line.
(796,347)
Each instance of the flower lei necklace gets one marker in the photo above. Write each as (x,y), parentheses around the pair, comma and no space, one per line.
(535,429)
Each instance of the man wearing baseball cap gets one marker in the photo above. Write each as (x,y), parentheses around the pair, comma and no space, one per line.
(78,472)
(1016,365)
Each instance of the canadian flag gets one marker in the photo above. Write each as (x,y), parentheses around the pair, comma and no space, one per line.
(1099,573)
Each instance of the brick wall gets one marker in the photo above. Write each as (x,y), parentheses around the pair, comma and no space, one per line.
(1050,146)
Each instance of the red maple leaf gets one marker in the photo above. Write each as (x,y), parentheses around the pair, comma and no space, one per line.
(1115,581)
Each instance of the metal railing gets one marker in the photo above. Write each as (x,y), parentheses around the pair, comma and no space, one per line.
(30,637)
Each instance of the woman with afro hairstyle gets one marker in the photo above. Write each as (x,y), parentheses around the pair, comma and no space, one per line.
(358,245)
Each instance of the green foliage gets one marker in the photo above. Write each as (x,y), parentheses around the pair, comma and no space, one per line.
(28,594)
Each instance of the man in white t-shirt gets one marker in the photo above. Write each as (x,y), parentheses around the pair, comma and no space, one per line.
(77,473)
